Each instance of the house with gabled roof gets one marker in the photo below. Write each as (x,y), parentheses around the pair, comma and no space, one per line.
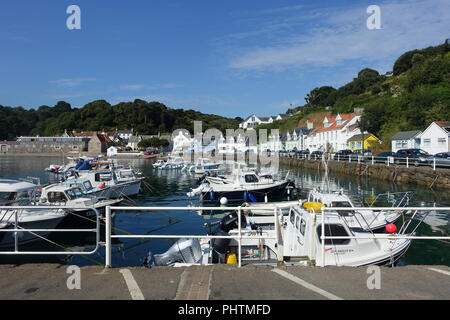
(405,140)
(436,138)
(253,120)
(334,132)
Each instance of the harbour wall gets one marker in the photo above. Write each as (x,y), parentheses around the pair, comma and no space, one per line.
(438,179)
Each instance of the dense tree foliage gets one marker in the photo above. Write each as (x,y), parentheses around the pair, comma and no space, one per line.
(153,142)
(144,117)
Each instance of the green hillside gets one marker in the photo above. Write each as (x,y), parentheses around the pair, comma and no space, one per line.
(144,117)
(417,94)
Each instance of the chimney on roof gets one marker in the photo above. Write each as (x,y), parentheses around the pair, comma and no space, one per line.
(358,111)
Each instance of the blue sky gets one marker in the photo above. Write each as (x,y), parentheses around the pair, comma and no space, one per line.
(231,58)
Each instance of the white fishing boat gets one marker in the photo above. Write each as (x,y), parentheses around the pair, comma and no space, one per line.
(367,219)
(294,239)
(123,181)
(18,193)
(203,165)
(64,195)
(173,162)
(158,163)
(242,185)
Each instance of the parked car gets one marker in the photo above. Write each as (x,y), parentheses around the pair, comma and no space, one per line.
(442,159)
(415,156)
(342,154)
(302,153)
(283,153)
(363,155)
(383,157)
(316,154)
(291,153)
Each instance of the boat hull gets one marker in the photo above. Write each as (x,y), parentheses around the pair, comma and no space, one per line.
(7,239)
(246,195)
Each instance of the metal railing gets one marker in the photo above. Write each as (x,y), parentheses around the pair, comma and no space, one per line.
(428,161)
(377,236)
(17,210)
(238,238)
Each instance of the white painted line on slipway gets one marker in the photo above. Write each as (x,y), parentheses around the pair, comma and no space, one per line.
(306,285)
(440,271)
(133,287)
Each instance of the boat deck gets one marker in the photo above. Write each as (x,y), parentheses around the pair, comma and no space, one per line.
(224,282)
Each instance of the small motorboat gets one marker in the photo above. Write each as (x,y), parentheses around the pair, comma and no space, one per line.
(242,185)
(63,195)
(295,239)
(16,193)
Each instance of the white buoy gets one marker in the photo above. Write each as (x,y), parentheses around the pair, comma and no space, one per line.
(223,200)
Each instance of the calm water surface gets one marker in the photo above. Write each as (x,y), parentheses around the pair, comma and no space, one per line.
(169,188)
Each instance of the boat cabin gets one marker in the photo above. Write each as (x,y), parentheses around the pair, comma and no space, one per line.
(15,191)
(58,193)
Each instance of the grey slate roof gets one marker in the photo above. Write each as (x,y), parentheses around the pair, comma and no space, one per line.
(405,135)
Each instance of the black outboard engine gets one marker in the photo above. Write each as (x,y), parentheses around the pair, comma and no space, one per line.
(184,250)
(219,246)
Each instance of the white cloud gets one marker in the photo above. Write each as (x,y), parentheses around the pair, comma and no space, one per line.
(339,35)
(134,87)
(71,82)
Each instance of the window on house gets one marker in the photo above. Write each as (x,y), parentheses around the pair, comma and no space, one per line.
(426,142)
(441,142)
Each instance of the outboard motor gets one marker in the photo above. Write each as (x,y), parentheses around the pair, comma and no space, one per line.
(184,250)
(219,246)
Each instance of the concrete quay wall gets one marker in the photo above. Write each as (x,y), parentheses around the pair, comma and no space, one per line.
(438,179)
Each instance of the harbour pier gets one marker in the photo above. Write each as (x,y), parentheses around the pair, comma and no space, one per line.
(224,282)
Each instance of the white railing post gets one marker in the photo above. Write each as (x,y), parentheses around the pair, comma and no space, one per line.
(338,158)
(373,161)
(16,235)
(240,238)
(277,233)
(434,163)
(108,237)
(359,159)
(407,162)
(323,237)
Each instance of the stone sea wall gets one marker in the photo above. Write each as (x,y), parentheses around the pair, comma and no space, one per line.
(438,179)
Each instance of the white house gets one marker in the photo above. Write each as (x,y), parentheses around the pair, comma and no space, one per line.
(181,141)
(234,144)
(253,120)
(435,138)
(124,134)
(296,140)
(405,140)
(335,132)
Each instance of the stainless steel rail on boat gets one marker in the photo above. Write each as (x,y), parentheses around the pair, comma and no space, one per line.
(381,236)
(17,228)
(238,238)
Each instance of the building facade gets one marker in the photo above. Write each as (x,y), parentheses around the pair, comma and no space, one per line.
(436,137)
(406,140)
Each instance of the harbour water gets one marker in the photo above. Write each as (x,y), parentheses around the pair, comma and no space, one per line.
(169,188)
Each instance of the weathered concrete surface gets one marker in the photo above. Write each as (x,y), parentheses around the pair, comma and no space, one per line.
(224,282)
(422,175)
